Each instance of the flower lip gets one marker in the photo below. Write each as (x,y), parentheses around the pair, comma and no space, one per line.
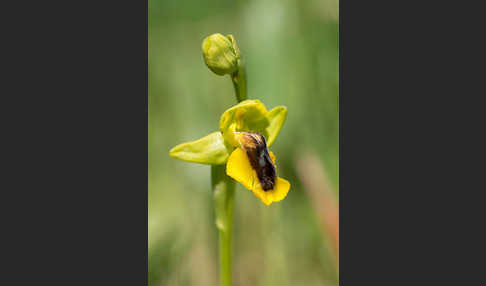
(254,144)
(240,169)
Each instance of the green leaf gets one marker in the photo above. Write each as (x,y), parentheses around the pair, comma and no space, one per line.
(209,150)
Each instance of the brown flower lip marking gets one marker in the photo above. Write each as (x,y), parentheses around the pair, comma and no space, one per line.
(256,149)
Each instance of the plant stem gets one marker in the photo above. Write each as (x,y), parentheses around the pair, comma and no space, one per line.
(239,82)
(224,190)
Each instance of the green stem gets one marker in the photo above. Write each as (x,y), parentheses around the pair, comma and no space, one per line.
(239,82)
(224,190)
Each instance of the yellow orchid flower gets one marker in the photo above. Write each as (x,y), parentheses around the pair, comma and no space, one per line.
(246,131)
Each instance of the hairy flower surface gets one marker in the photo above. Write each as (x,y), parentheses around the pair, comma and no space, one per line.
(246,131)
(240,168)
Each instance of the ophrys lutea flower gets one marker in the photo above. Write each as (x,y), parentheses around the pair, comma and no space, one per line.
(246,130)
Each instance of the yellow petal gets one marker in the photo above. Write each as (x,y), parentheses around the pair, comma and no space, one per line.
(239,168)
(278,193)
(272,156)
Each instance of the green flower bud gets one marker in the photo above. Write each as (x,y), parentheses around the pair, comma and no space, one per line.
(220,54)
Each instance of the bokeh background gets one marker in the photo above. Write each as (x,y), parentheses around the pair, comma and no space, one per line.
(291,52)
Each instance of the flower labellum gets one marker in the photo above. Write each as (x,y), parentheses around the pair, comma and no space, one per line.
(253,165)
(256,149)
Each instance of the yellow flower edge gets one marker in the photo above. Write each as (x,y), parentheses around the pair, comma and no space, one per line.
(239,168)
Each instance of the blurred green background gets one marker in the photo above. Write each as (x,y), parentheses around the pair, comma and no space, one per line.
(291,52)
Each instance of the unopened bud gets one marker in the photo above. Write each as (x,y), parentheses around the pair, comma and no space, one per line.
(219,54)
